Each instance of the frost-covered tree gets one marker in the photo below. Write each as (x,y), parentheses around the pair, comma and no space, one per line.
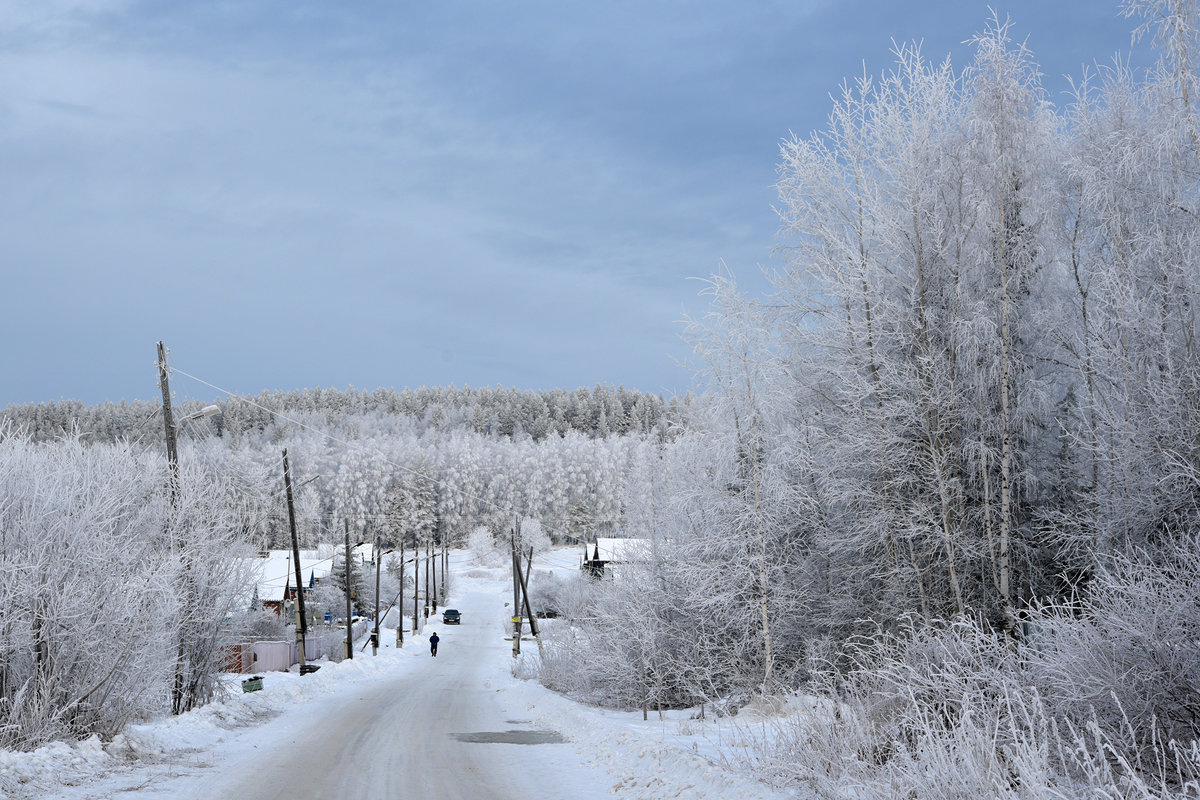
(923,244)
(111,593)
(360,597)
(209,553)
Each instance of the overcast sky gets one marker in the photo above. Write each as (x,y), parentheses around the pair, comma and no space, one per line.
(296,194)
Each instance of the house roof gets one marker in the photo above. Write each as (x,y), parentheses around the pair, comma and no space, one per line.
(617,550)
(363,553)
(276,571)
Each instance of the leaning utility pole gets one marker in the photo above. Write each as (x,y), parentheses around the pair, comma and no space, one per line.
(349,611)
(302,621)
(523,575)
(523,579)
(168,422)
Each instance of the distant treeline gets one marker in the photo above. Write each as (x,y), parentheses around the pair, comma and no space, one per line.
(597,412)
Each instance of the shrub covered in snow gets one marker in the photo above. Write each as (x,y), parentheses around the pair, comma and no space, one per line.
(115,599)
(954,710)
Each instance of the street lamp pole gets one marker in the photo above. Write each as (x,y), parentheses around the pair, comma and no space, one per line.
(168,422)
(179,702)
(178,705)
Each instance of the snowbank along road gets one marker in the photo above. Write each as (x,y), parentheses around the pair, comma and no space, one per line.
(400,725)
(442,730)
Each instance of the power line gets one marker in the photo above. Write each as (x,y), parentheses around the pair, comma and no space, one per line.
(311,564)
(439,482)
(331,437)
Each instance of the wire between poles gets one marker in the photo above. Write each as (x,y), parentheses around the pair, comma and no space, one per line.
(442,483)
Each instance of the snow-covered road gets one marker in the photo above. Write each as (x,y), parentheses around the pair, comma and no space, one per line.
(425,734)
(400,725)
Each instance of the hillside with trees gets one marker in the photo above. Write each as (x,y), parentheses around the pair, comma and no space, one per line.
(597,412)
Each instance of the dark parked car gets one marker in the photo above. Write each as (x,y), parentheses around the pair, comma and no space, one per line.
(451,617)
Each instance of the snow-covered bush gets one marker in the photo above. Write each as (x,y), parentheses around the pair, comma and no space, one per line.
(1130,662)
(263,626)
(949,711)
(117,602)
(208,547)
(86,581)
(532,535)
(482,544)
(589,664)
(549,595)
(930,677)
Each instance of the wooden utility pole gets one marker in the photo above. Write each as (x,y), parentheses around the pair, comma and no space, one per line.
(375,636)
(349,610)
(445,567)
(400,609)
(302,620)
(516,606)
(428,544)
(524,578)
(168,422)
(434,585)
(416,583)
(178,702)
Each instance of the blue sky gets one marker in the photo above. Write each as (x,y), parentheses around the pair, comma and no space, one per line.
(297,194)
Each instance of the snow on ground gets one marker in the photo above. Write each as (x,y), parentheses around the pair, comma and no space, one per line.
(672,757)
(169,749)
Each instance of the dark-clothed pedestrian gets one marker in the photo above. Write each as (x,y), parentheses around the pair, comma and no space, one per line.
(433,640)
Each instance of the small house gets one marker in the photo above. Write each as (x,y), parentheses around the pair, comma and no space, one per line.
(276,579)
(604,557)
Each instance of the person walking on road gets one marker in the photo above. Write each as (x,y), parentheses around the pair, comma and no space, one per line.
(433,640)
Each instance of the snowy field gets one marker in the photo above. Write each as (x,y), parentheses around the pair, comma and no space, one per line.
(245,744)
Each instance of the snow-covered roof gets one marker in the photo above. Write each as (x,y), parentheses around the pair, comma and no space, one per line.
(276,571)
(619,550)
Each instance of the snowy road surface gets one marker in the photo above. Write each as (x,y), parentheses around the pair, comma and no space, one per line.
(429,733)
(401,725)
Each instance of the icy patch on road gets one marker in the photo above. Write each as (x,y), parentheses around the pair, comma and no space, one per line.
(675,757)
